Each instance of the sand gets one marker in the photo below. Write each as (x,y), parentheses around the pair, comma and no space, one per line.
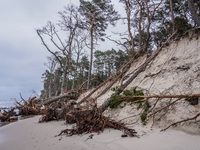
(175,71)
(29,134)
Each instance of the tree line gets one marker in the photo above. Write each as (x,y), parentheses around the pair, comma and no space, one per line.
(148,24)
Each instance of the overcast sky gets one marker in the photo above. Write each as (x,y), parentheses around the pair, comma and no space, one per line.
(22,56)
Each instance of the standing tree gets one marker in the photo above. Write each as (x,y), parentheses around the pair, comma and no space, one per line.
(78,47)
(140,18)
(172,16)
(51,64)
(97,14)
(62,50)
(192,9)
(128,8)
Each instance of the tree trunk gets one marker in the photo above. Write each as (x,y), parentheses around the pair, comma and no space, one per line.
(164,96)
(172,15)
(140,28)
(91,58)
(193,12)
(56,83)
(50,86)
(128,13)
(64,79)
(59,97)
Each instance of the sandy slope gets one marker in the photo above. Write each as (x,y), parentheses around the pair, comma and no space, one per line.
(175,71)
(28,134)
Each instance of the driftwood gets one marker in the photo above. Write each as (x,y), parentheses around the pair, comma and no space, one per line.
(69,95)
(138,71)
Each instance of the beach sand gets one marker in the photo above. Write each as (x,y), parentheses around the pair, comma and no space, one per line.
(31,135)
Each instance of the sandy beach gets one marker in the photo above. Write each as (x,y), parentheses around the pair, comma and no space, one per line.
(29,134)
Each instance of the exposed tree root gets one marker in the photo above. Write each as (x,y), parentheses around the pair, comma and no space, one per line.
(87,121)
(161,105)
(182,121)
(29,107)
(8,115)
(51,114)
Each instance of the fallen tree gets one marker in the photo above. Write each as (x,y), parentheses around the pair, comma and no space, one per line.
(8,115)
(151,107)
(69,95)
(93,120)
(29,107)
(135,74)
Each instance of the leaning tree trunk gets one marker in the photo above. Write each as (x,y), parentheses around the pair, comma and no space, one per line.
(65,95)
(138,71)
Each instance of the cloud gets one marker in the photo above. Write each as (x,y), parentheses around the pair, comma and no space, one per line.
(21,53)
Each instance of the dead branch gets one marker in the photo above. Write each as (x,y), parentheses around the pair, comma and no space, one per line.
(159,110)
(179,122)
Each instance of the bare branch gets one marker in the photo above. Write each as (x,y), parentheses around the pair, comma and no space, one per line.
(39,34)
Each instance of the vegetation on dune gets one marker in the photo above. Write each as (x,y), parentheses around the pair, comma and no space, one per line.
(116,100)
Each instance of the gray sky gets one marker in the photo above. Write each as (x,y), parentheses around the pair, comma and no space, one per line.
(21,53)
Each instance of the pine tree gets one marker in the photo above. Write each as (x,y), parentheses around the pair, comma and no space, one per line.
(97,14)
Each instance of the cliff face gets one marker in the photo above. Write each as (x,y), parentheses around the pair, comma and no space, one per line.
(175,71)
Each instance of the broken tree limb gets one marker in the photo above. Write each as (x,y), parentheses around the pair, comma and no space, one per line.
(66,95)
(164,96)
(138,71)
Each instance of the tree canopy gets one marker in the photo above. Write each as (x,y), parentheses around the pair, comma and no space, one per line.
(73,39)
